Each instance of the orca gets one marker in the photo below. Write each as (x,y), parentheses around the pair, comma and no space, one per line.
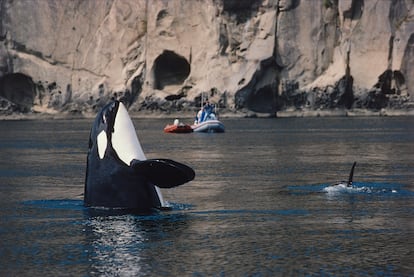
(118,175)
(350,178)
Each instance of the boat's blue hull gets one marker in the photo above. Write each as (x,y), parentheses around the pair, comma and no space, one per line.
(209,126)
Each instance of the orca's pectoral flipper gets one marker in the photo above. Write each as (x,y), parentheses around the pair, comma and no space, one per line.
(163,172)
(351,175)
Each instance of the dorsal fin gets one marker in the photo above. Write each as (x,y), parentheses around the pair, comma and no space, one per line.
(351,175)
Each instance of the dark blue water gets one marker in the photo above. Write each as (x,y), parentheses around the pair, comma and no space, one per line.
(261,204)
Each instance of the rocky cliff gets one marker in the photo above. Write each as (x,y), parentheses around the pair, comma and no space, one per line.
(261,56)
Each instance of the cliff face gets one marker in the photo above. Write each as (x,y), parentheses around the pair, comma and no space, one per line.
(260,55)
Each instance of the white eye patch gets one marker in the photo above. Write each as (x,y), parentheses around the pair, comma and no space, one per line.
(102,144)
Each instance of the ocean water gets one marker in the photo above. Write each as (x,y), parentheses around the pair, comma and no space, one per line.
(262,202)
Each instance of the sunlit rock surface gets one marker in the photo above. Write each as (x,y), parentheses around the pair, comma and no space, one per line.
(260,56)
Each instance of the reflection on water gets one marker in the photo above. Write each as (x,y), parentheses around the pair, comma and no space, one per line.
(116,246)
(257,207)
(131,245)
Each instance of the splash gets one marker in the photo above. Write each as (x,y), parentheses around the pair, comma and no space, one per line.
(364,188)
(369,188)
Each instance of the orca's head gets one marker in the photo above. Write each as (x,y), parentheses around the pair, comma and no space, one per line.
(113,128)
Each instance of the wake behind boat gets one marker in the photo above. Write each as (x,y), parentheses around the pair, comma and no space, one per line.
(206,120)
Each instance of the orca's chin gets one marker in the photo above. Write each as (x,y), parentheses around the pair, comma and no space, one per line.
(124,139)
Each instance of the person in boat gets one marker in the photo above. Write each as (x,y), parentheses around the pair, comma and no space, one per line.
(206,112)
(177,122)
(208,109)
(198,116)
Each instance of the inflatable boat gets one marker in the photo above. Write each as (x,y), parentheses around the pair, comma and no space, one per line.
(178,127)
(209,126)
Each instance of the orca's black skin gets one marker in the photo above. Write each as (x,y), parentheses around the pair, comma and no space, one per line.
(111,183)
(163,172)
(351,175)
(350,179)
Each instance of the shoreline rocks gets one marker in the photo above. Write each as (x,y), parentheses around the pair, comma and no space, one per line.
(290,113)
